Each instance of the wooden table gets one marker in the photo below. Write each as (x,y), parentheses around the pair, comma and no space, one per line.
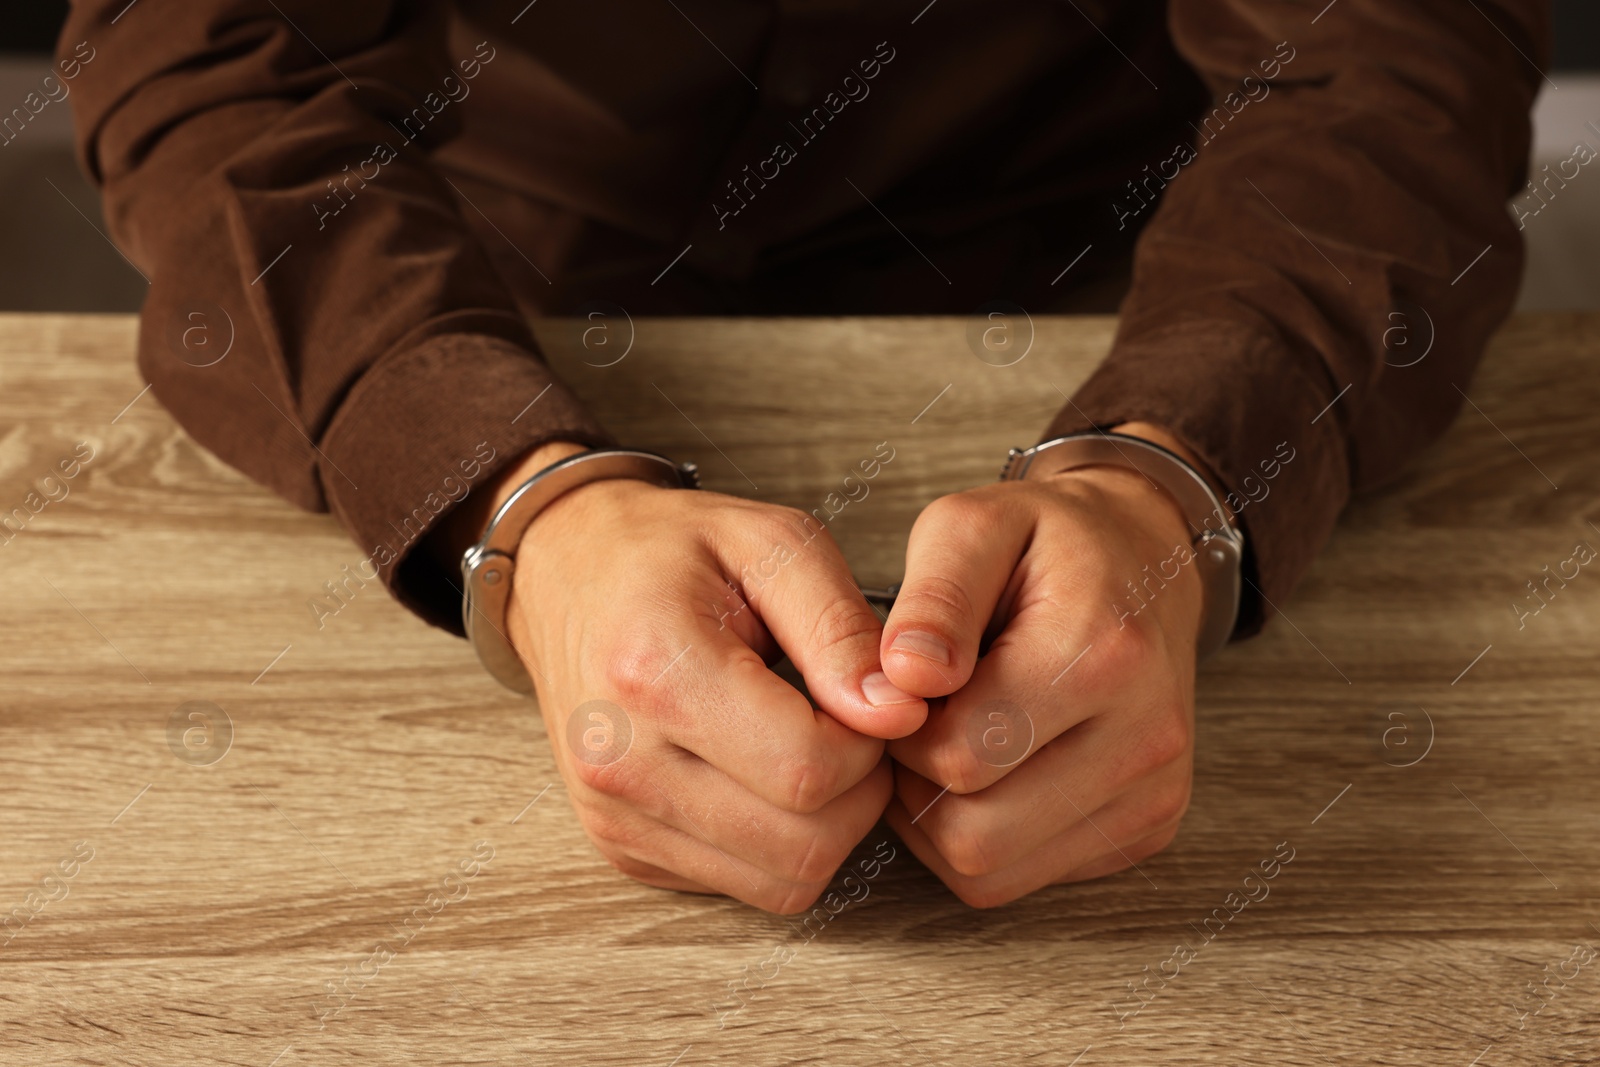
(212,901)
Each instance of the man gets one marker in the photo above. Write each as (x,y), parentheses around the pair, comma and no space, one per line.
(378,193)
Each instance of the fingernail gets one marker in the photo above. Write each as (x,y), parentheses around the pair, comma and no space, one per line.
(922,644)
(880,692)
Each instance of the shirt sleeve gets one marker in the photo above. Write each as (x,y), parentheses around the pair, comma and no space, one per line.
(1329,257)
(319,314)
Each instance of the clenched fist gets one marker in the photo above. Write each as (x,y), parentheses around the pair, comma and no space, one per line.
(651,617)
(1066,751)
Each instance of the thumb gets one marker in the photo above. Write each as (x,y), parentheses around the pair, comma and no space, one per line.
(807,599)
(959,559)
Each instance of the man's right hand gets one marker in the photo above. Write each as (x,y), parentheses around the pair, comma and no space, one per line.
(648,618)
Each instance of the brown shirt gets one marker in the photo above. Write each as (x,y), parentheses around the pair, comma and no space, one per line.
(370,196)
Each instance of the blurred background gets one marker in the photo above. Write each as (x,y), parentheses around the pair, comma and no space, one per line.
(54,255)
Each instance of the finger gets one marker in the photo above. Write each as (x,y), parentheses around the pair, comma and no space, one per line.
(691,795)
(1052,793)
(1005,714)
(645,846)
(704,690)
(794,575)
(617,788)
(1058,663)
(1122,857)
(659,877)
(959,560)
(1121,831)
(736,615)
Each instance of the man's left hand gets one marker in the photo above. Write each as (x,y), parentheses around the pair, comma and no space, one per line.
(1066,752)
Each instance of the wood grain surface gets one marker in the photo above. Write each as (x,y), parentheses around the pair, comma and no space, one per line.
(190,899)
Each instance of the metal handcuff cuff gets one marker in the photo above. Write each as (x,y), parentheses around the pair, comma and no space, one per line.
(487,567)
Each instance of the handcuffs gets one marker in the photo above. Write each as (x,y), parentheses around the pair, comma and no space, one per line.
(487,567)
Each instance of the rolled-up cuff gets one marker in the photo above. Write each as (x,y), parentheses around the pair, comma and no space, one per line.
(420,430)
(1258,416)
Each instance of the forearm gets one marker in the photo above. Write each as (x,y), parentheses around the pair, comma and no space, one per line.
(371,361)
(1266,286)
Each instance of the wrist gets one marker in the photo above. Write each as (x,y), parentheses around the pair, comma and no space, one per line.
(1165,439)
(587,513)
(1160,435)
(1159,508)
(465,525)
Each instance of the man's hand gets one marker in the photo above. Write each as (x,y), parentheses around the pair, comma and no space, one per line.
(1067,749)
(691,764)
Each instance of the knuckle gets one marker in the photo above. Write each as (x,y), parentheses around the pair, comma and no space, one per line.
(934,596)
(957,768)
(636,869)
(803,785)
(618,779)
(965,847)
(980,893)
(1165,741)
(1122,654)
(962,510)
(794,523)
(815,861)
(785,532)
(629,674)
(608,781)
(611,830)
(844,622)
(1168,806)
